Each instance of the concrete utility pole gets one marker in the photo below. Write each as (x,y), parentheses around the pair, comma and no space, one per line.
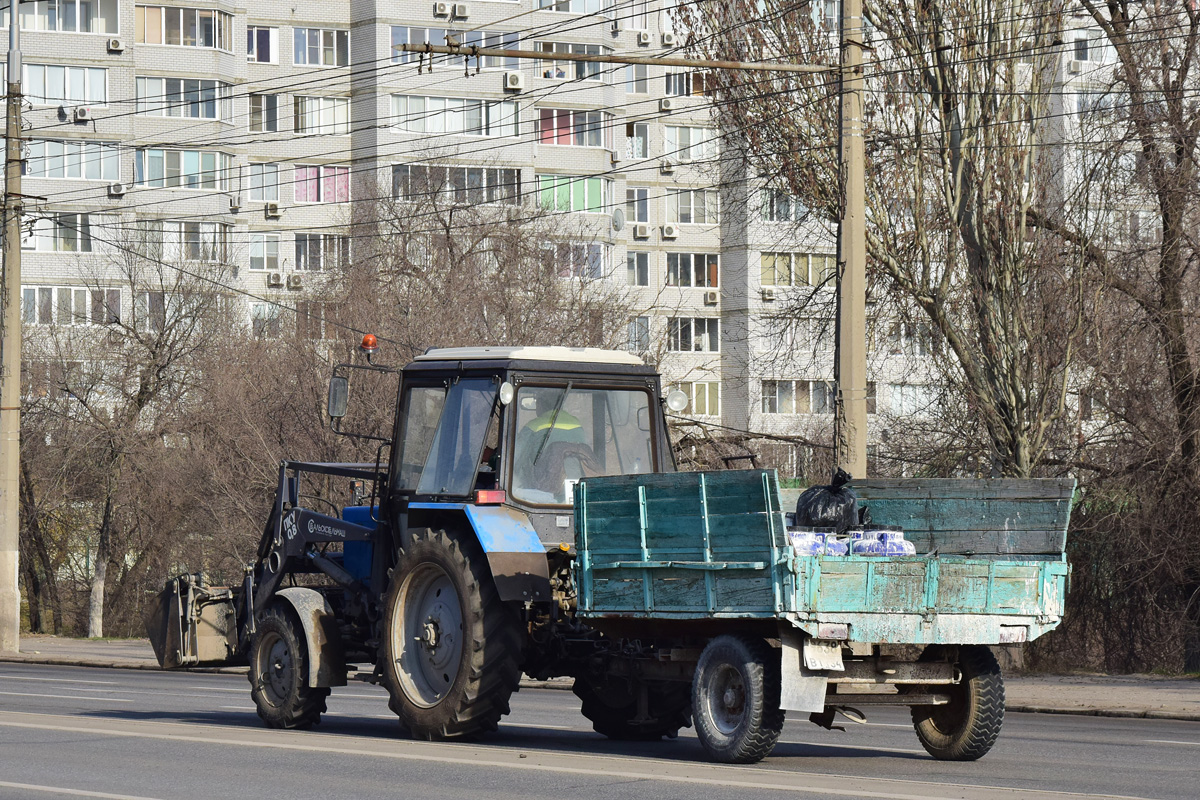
(10,354)
(850,417)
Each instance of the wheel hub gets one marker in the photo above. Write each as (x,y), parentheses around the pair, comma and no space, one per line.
(276,676)
(729,696)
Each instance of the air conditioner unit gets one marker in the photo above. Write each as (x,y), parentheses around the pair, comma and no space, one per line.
(615,156)
(616,26)
(666,104)
(442,9)
(271,210)
(666,167)
(275,279)
(235,202)
(1074,66)
(670,231)
(641,231)
(116,46)
(670,40)
(116,189)
(768,293)
(514,81)
(712,297)
(294,281)
(81,114)
(460,11)
(644,38)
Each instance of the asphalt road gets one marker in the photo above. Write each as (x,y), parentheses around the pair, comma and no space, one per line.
(74,732)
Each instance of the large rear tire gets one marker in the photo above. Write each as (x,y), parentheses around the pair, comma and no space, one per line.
(966,728)
(612,707)
(451,650)
(279,672)
(735,699)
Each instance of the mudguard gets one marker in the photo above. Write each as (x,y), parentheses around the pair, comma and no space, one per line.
(326,661)
(515,554)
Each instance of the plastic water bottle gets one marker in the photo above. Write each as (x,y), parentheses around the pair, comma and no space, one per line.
(894,543)
(866,543)
(806,541)
(835,546)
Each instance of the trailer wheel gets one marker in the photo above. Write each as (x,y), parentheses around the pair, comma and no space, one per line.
(450,651)
(279,673)
(966,728)
(613,709)
(735,699)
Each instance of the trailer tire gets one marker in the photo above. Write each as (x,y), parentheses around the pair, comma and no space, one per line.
(967,727)
(613,709)
(735,699)
(279,672)
(451,649)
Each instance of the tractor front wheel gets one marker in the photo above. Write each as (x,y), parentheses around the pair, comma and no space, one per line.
(279,672)
(450,652)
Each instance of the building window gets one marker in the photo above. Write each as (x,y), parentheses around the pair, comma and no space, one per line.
(779,206)
(327,115)
(693,269)
(683,144)
(639,335)
(804,397)
(187,169)
(689,84)
(52,85)
(69,16)
(264,113)
(496,40)
(262,44)
(320,252)
(637,204)
(575,128)
(704,397)
(564,193)
(312,320)
(913,338)
(264,320)
(638,268)
(185,241)
(62,233)
(694,335)
(264,251)
(317,47)
(908,399)
(69,305)
(637,140)
(186,27)
(698,206)
(589,261)
(184,97)
(263,182)
(570,70)
(473,185)
(456,115)
(322,184)
(798,269)
(576,6)
(636,81)
(150,311)
(92,161)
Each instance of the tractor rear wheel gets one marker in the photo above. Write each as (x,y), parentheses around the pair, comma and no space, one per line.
(279,672)
(451,650)
(612,708)
(966,728)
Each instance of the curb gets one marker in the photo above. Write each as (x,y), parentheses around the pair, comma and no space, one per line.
(564,684)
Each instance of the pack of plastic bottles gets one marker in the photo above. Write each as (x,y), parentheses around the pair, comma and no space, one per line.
(878,540)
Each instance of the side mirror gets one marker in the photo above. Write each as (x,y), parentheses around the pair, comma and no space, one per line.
(339,396)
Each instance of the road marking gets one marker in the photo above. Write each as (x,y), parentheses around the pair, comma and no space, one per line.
(29,787)
(855,747)
(240,708)
(53,680)
(1172,741)
(68,697)
(540,760)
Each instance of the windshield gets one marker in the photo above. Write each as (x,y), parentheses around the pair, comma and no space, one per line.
(442,434)
(565,433)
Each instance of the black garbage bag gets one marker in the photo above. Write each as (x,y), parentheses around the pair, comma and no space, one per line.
(832,506)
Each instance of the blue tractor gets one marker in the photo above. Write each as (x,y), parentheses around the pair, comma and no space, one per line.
(451,575)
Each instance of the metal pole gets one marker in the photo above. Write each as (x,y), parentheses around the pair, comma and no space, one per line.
(850,419)
(10,353)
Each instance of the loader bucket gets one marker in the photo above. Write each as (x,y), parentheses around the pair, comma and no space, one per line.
(191,624)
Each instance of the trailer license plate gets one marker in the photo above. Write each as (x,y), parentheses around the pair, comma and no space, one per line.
(819,655)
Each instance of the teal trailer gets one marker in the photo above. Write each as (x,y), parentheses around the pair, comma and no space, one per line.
(702,560)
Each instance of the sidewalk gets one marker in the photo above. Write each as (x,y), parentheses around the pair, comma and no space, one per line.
(1146,696)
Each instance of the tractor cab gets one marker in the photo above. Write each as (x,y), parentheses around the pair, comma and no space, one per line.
(519,426)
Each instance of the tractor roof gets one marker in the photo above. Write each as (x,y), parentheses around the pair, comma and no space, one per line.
(576,355)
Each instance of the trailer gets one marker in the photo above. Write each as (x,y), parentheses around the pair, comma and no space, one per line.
(523,515)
